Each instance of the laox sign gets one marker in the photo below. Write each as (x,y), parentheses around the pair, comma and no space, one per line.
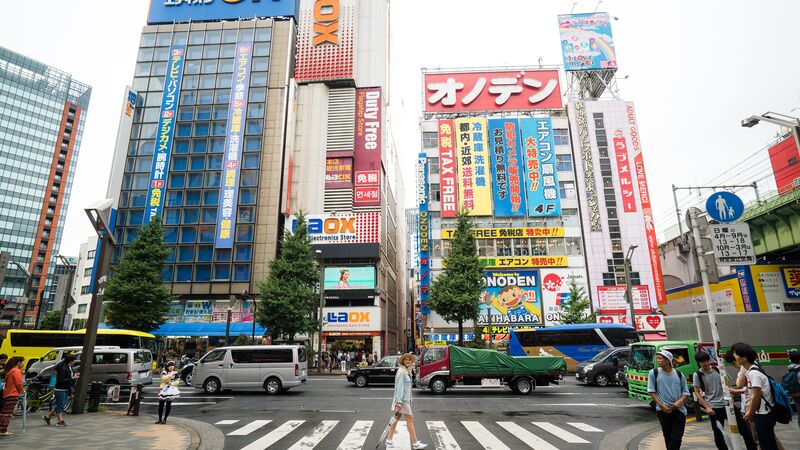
(352,317)
(333,225)
(326,22)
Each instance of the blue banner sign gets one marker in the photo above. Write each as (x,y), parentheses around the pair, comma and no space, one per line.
(229,187)
(507,168)
(424,233)
(166,128)
(541,180)
(170,11)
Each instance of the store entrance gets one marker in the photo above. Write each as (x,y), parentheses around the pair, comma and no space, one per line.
(358,350)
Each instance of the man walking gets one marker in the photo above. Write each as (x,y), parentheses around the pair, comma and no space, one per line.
(760,394)
(342,361)
(790,380)
(707,384)
(669,391)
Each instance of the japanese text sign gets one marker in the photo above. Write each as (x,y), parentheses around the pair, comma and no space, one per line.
(367,152)
(354,228)
(229,186)
(508,233)
(166,128)
(626,186)
(472,154)
(586,41)
(175,11)
(791,281)
(541,181)
(447,168)
(512,90)
(508,168)
(338,173)
(423,233)
(732,244)
(511,297)
(611,299)
(524,261)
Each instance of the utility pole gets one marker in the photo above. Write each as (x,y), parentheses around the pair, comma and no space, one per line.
(321,306)
(228,326)
(629,285)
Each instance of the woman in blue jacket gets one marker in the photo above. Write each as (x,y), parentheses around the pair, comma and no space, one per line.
(401,402)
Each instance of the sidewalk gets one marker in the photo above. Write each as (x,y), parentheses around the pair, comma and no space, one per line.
(698,435)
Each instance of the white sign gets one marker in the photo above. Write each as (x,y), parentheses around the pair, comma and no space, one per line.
(644,322)
(367,318)
(732,244)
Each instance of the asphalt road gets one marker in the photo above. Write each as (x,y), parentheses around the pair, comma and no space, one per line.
(330,413)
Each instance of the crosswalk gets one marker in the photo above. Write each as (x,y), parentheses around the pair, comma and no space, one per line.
(297,434)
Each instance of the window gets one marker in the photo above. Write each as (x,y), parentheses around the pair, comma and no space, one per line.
(433,166)
(430,139)
(566,189)
(82,309)
(142,357)
(87,272)
(50,356)
(283,355)
(90,254)
(433,355)
(680,356)
(84,289)
(642,358)
(564,163)
(214,356)
(620,337)
(389,361)
(561,136)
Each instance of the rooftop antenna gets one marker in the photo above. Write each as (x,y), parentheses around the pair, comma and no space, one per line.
(540,62)
(573,7)
(597,6)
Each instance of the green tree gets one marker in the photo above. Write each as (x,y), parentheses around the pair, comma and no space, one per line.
(455,293)
(243,339)
(288,298)
(51,321)
(578,308)
(136,295)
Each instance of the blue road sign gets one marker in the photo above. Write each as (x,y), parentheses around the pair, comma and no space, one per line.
(724,207)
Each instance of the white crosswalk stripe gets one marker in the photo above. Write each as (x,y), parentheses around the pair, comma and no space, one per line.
(249,428)
(560,432)
(316,435)
(484,436)
(226,422)
(274,435)
(401,438)
(356,436)
(533,441)
(441,437)
(585,427)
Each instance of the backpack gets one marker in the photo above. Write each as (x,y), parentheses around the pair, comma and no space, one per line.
(700,378)
(781,410)
(790,382)
(680,375)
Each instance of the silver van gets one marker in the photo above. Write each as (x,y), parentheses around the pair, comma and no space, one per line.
(54,356)
(125,367)
(274,368)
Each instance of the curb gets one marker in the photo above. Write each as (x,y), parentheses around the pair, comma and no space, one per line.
(632,434)
(204,436)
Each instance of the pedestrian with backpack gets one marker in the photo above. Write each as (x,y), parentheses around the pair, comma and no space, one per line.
(707,385)
(669,391)
(791,380)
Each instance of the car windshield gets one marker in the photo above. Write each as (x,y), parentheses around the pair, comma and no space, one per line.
(601,356)
(642,358)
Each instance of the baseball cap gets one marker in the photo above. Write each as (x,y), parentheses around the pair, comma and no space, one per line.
(666,354)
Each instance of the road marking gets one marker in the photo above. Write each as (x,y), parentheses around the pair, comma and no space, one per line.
(442,439)
(180,403)
(274,435)
(609,405)
(337,411)
(227,422)
(585,427)
(356,436)
(249,428)
(381,389)
(316,435)
(533,441)
(401,438)
(560,432)
(483,436)
(418,399)
(201,396)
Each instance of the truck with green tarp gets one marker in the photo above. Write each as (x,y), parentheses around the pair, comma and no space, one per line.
(445,367)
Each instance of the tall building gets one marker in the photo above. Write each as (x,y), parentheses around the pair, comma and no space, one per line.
(42,115)
(81,284)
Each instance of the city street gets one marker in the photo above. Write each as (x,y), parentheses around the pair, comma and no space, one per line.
(331,413)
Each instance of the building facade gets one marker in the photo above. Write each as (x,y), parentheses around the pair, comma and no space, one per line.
(42,115)
(81,285)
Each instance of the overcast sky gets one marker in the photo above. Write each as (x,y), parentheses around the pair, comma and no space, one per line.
(694,70)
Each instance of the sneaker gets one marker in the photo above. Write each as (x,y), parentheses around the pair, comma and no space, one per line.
(46,419)
(418,445)
(61,424)
(158,422)
(7,434)
(389,442)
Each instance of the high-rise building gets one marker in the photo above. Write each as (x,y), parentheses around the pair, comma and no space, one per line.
(42,115)
(81,284)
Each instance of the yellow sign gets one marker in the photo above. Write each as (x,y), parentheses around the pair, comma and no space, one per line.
(504,262)
(508,233)
(474,176)
(432,343)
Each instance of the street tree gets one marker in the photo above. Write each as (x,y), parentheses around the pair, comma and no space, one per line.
(288,297)
(578,308)
(136,296)
(51,321)
(455,293)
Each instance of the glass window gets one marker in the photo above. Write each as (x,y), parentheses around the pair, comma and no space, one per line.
(258,95)
(254,126)
(185,253)
(190,82)
(164,39)
(217,145)
(430,139)
(147,40)
(205,97)
(211,51)
(246,214)
(222,271)
(195,180)
(185,113)
(222,96)
(244,233)
(207,81)
(151,114)
(213,36)
(642,358)
(197,163)
(202,272)
(183,274)
(247,196)
(141,180)
(229,36)
(172,216)
(144,163)
(248,178)
(161,54)
(135,217)
(167,273)
(260,64)
(263,34)
(561,136)
(564,163)
(181,146)
(214,162)
(199,145)
(178,163)
(188,98)
(138,199)
(243,253)
(218,129)
(209,66)
(223,255)
(209,215)
(196,37)
(255,111)
(252,144)
(433,355)
(214,356)
(203,112)
(192,198)
(131,235)
(212,179)
(206,233)
(142,69)
(220,112)
(566,189)
(204,253)
(174,198)
(226,67)
(258,79)
(188,234)
(171,254)
(433,165)
(241,272)
(179,38)
(170,235)
(191,216)
(194,52)
(201,129)
(145,54)
(191,67)
(251,160)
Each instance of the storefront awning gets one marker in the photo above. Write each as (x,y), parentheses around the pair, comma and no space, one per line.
(205,329)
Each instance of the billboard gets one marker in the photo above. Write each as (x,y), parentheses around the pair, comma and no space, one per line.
(363,318)
(624,172)
(447,169)
(511,297)
(507,90)
(197,311)
(586,41)
(338,173)
(176,11)
(611,299)
(541,184)
(229,186)
(351,277)
(423,233)
(556,291)
(523,261)
(508,232)
(367,147)
(507,168)
(353,228)
(325,40)
(166,128)
(474,184)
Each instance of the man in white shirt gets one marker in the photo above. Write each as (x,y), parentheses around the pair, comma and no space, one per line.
(760,394)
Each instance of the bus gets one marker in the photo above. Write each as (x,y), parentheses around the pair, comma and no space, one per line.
(32,344)
(576,342)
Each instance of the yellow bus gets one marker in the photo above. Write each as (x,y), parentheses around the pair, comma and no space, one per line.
(32,344)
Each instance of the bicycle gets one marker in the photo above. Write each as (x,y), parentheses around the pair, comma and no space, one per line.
(39,394)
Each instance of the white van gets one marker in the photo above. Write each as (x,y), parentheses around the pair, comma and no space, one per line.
(55,356)
(274,368)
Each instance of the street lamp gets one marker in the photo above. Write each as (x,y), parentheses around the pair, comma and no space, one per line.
(26,293)
(778,119)
(68,290)
(321,305)
(628,284)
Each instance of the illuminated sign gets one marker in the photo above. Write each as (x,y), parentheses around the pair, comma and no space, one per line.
(338,173)
(791,281)
(325,40)
(367,147)
(508,233)
(357,228)
(175,11)
(423,233)
(447,169)
(351,277)
(326,22)
(351,319)
(504,262)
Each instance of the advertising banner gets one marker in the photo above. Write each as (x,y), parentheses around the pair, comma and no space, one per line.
(197,311)
(354,228)
(176,11)
(447,169)
(325,40)
(540,167)
(624,172)
(423,233)
(338,173)
(166,128)
(229,187)
(511,297)
(556,291)
(791,281)
(644,322)
(507,168)
(367,142)
(351,277)
(523,261)
(509,90)
(508,232)
(363,318)
(474,185)
(175,313)
(611,299)
(586,41)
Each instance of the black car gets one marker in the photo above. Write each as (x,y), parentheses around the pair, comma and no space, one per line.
(602,369)
(381,372)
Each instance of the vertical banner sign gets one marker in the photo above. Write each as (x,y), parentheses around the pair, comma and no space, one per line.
(540,167)
(474,188)
(338,173)
(166,128)
(507,168)
(624,172)
(424,237)
(367,164)
(447,169)
(647,209)
(229,189)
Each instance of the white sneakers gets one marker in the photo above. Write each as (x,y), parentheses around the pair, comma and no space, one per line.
(389,442)
(416,445)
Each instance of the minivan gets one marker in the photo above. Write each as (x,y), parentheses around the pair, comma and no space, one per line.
(601,369)
(125,367)
(56,355)
(274,368)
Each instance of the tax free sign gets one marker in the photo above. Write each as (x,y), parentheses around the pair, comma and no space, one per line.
(169,11)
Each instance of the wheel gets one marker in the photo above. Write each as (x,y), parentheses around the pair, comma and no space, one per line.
(523,386)
(272,386)
(438,385)
(601,380)
(362,381)
(212,386)
(187,379)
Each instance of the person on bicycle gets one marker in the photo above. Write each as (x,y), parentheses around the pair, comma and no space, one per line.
(64,378)
(12,390)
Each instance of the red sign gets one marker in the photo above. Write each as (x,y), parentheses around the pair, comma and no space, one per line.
(650,322)
(447,169)
(367,152)
(611,299)
(338,173)
(511,90)
(624,172)
(325,40)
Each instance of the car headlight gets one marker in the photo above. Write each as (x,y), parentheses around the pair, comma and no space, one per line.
(588,368)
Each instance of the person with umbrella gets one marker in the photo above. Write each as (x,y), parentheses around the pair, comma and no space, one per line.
(401,401)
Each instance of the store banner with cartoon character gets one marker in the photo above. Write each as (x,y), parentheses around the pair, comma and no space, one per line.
(514,298)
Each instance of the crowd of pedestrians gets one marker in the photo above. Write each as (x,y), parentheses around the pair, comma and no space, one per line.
(347,359)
